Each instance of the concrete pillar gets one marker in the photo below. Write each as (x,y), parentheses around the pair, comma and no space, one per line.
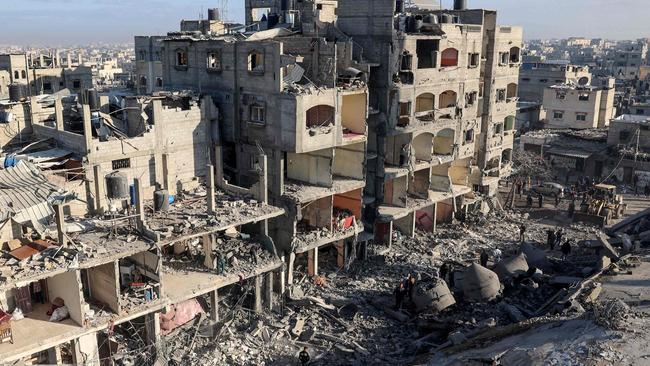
(165,172)
(282,274)
(214,305)
(100,192)
(292,260)
(54,356)
(60,224)
(264,227)
(390,235)
(218,157)
(258,294)
(212,204)
(312,262)
(268,290)
(208,247)
(86,351)
(58,110)
(139,203)
(262,186)
(88,130)
(341,254)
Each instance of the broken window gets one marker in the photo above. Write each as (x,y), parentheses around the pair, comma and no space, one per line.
(581,117)
(143,80)
(473,59)
(47,86)
(449,57)
(407,62)
(258,114)
(159,82)
(142,55)
(256,62)
(405,109)
(427,52)
(23,73)
(560,95)
(181,58)
(512,91)
(501,95)
(504,58)
(76,84)
(469,136)
(214,61)
(583,97)
(447,99)
(525,80)
(16,75)
(121,164)
(424,103)
(320,116)
(558,114)
(471,98)
(498,129)
(514,55)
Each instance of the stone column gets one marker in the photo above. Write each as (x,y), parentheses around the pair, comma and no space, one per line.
(268,290)
(258,294)
(60,224)
(214,305)
(211,189)
(312,262)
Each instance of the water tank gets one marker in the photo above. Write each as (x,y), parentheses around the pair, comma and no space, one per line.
(161,200)
(213,14)
(117,186)
(460,4)
(446,18)
(17,93)
(431,19)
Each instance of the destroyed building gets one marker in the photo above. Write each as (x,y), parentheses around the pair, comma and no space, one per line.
(443,91)
(535,77)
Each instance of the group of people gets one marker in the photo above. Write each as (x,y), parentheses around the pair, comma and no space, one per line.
(403,289)
(554,239)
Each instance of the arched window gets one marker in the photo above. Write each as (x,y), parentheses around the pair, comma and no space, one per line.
(512,91)
(447,99)
(23,74)
(319,116)
(449,57)
(515,57)
(16,75)
(425,103)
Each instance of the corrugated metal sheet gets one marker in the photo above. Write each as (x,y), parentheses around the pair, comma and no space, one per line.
(26,194)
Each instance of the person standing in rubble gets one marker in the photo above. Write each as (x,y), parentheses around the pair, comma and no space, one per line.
(522,233)
(253,253)
(550,238)
(221,263)
(303,357)
(399,293)
(529,201)
(558,237)
(557,200)
(444,271)
(484,258)
(540,200)
(566,249)
(410,286)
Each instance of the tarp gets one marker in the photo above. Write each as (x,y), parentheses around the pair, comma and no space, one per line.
(179,314)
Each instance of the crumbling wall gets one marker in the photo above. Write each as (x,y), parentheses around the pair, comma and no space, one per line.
(313,168)
(395,191)
(349,161)
(104,285)
(318,213)
(67,286)
(440,180)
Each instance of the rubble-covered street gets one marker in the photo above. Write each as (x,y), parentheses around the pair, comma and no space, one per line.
(552,316)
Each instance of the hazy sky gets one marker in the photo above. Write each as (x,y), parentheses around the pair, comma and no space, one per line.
(54,22)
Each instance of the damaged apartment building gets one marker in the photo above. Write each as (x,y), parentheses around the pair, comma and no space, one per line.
(443,94)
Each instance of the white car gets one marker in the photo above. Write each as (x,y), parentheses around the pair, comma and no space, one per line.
(549,189)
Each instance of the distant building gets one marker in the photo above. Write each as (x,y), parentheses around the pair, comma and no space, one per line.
(579,107)
(534,77)
(629,139)
(148,64)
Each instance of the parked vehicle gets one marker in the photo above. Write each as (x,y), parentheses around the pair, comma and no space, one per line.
(549,189)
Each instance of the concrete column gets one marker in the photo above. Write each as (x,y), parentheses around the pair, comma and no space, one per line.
(340,253)
(165,171)
(214,305)
(58,110)
(208,247)
(258,294)
(292,260)
(212,204)
(218,157)
(312,262)
(100,192)
(139,203)
(88,130)
(282,275)
(268,290)
(86,351)
(435,216)
(264,227)
(390,234)
(54,356)
(262,186)
(60,224)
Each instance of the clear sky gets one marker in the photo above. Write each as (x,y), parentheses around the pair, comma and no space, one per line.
(64,22)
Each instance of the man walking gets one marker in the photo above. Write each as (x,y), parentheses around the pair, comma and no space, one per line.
(550,238)
(304,357)
(522,233)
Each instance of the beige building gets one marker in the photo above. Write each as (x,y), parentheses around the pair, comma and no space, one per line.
(535,77)
(148,64)
(579,107)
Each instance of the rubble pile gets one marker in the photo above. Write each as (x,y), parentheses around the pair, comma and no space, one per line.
(612,314)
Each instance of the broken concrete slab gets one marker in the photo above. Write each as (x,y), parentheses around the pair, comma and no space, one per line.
(480,284)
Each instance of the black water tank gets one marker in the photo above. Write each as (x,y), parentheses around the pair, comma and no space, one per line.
(17,92)
(93,99)
(161,200)
(446,18)
(273,20)
(117,186)
(460,4)
(213,14)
